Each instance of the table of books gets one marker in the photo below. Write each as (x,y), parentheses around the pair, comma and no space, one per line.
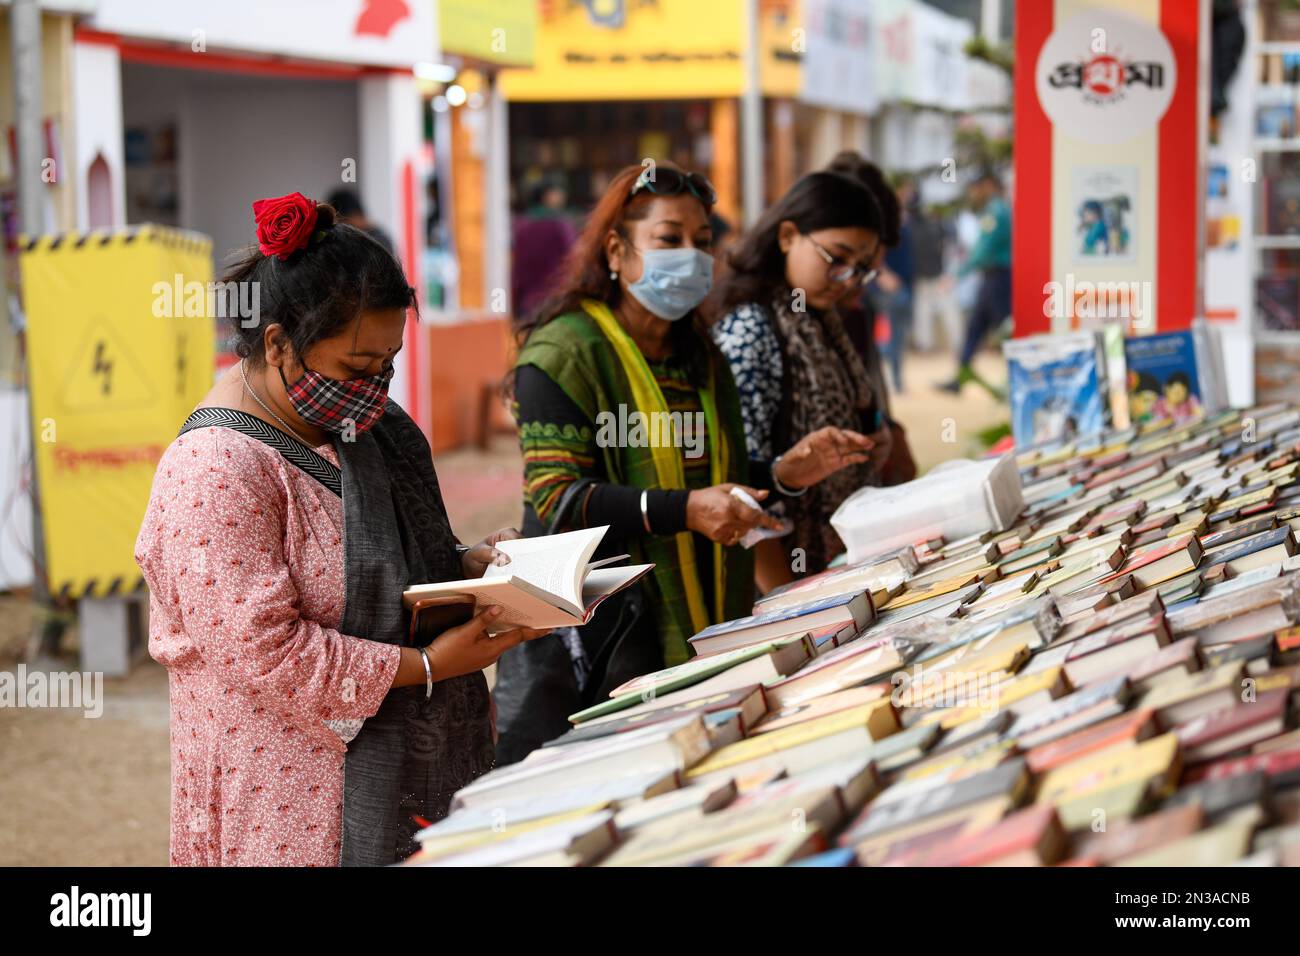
(1112,680)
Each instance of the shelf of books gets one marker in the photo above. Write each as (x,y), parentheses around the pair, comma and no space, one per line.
(1106,673)
(1274,62)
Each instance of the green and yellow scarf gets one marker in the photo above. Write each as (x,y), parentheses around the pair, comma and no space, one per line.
(598,365)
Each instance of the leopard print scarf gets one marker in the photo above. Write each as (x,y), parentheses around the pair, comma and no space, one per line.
(826,384)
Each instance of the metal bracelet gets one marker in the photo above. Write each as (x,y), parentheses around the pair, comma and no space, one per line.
(782,489)
(428,675)
(645,513)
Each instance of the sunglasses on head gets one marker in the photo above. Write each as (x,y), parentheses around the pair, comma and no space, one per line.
(666,181)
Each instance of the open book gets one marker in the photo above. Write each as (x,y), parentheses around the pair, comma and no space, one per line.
(549,582)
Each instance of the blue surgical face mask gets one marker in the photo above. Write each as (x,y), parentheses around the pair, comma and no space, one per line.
(673,281)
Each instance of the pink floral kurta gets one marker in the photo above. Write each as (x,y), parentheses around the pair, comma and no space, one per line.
(243,555)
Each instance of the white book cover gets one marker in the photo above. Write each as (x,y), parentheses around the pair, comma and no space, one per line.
(548,582)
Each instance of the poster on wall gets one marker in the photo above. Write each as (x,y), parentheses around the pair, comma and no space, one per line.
(1105,204)
(1222,216)
(1110,122)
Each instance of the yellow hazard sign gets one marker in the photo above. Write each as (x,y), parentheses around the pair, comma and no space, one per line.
(115,365)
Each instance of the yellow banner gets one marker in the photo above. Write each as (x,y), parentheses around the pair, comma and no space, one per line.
(491,31)
(671,49)
(121,342)
(782,40)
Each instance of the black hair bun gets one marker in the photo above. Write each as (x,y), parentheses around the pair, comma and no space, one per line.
(326,217)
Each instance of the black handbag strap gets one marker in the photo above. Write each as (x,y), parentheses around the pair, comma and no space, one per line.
(301,456)
(578,488)
(590,671)
(631,614)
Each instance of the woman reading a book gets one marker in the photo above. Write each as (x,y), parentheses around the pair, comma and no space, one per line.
(796,369)
(285,521)
(628,417)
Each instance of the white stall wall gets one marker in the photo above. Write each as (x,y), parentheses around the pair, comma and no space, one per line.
(97,93)
(15,508)
(397,34)
(241,138)
(1230,270)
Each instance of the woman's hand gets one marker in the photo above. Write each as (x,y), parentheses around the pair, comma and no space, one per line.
(882,445)
(484,554)
(469,648)
(722,517)
(819,454)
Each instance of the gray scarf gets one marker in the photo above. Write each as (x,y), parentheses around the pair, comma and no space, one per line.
(413,754)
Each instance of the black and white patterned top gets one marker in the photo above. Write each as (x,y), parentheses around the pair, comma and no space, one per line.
(748,339)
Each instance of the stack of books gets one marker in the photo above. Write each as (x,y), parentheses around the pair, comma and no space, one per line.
(1112,680)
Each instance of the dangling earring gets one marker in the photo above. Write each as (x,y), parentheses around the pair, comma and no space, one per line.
(613,275)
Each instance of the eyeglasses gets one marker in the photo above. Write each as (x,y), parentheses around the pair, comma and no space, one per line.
(841,271)
(666,181)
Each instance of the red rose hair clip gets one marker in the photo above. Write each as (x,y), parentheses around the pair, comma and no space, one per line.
(285,224)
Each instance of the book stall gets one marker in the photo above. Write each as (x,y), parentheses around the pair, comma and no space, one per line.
(1082,649)
(1109,676)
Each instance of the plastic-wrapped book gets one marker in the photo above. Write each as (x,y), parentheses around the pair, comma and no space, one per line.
(954,500)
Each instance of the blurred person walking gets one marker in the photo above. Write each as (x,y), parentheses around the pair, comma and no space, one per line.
(966,231)
(894,285)
(347,205)
(623,338)
(543,237)
(991,259)
(932,285)
(796,369)
(284,523)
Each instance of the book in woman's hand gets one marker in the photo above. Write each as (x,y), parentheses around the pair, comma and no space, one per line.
(549,581)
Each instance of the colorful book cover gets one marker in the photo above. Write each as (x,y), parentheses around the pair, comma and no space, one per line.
(1056,385)
(1231,720)
(1162,377)
(780,614)
(1277,301)
(690,672)
(1277,356)
(840,856)
(1249,546)
(1275,121)
(1154,553)
(1112,347)
(1283,206)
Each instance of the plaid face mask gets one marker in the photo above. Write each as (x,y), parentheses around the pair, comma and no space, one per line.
(330,404)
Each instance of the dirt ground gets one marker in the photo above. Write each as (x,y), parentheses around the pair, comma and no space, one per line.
(94,792)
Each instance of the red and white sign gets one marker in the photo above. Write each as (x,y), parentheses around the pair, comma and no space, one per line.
(1110,112)
(1106,77)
